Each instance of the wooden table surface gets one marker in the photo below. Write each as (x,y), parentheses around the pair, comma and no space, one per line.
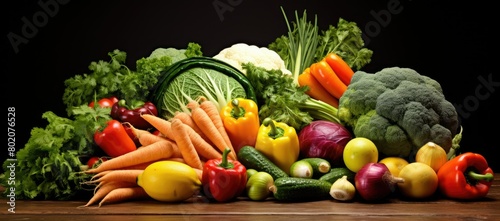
(196,208)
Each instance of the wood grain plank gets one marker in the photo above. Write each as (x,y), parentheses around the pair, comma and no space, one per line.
(197,208)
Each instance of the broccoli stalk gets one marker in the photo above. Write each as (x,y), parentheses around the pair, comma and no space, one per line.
(452,153)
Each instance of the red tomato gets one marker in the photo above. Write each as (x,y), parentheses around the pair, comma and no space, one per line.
(113,99)
(94,160)
(105,102)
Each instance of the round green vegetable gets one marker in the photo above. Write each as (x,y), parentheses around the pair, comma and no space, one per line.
(399,110)
(251,172)
(258,184)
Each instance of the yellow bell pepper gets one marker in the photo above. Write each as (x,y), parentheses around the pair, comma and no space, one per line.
(279,143)
(241,121)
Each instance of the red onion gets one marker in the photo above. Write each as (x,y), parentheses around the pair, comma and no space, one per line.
(374,181)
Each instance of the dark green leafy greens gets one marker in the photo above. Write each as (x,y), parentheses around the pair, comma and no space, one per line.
(49,166)
(345,40)
(278,97)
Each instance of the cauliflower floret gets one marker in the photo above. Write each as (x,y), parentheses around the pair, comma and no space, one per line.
(399,110)
(241,53)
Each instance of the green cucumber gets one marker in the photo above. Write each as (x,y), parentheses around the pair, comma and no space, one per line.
(320,166)
(337,173)
(251,158)
(300,189)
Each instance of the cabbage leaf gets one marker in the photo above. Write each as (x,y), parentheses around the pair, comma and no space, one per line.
(195,83)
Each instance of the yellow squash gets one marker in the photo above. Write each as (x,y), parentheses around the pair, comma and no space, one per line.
(169,181)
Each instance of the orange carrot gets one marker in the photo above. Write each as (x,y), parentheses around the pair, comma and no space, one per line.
(213,112)
(102,190)
(340,67)
(203,148)
(187,119)
(99,175)
(156,151)
(123,175)
(145,137)
(204,121)
(316,90)
(124,193)
(135,130)
(162,125)
(143,166)
(327,77)
(185,144)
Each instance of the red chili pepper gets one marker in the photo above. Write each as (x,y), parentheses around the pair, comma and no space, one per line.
(466,177)
(120,111)
(105,102)
(114,140)
(224,179)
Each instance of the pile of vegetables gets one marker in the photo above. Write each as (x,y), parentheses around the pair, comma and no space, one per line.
(304,124)
(51,160)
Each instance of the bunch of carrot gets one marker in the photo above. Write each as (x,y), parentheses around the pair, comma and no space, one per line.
(191,138)
(327,79)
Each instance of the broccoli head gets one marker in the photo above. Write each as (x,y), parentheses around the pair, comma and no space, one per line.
(399,110)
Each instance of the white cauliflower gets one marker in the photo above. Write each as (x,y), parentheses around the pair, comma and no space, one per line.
(241,53)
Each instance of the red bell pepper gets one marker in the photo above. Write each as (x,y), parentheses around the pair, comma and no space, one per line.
(105,102)
(223,179)
(132,114)
(113,139)
(465,177)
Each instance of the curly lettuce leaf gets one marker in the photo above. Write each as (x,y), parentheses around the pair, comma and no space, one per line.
(278,97)
(346,41)
(47,167)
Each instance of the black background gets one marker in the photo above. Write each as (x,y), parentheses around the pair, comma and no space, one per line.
(450,41)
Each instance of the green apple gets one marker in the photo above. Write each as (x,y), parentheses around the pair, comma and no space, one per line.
(358,152)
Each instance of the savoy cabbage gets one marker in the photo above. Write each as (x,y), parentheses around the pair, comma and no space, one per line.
(195,83)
